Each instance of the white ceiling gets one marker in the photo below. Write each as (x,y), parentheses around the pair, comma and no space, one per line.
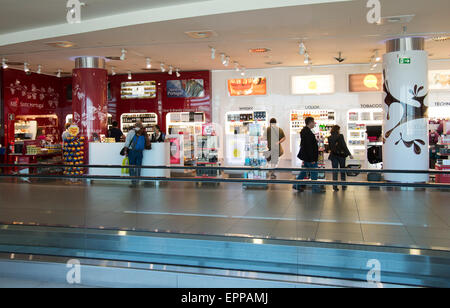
(326,29)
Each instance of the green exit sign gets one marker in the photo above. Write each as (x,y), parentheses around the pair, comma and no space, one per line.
(405,60)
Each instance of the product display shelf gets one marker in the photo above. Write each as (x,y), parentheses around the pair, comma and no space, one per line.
(129,120)
(207,155)
(443,159)
(255,147)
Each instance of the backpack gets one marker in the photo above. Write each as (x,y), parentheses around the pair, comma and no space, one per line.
(138,143)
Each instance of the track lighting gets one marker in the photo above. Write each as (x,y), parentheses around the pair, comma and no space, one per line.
(4,64)
(243,71)
(178,72)
(129,75)
(170,70)
(148,63)
(113,71)
(163,68)
(377,56)
(124,54)
(39,70)
(306,58)
(302,48)
(222,58)
(236,66)
(58,74)
(227,61)
(25,67)
(213,53)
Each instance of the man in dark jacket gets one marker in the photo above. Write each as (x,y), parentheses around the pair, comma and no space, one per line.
(309,153)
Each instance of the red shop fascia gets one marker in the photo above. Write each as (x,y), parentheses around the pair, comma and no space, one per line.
(43,97)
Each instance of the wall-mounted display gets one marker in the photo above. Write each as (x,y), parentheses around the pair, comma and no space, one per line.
(185,88)
(247,86)
(365,82)
(439,80)
(129,120)
(138,89)
(319,84)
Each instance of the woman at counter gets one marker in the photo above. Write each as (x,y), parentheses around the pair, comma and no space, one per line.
(158,136)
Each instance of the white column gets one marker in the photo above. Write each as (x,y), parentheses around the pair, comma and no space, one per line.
(405,127)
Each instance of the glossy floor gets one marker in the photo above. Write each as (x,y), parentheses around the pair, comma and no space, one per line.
(358,215)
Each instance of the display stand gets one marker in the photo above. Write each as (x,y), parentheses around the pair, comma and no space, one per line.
(325,119)
(255,147)
(129,120)
(443,162)
(237,132)
(207,152)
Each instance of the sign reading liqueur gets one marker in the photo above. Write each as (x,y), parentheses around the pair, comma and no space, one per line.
(247,86)
(319,84)
(365,83)
(185,88)
(138,90)
(439,80)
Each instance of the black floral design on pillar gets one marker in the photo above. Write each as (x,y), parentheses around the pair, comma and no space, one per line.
(410,112)
(414,142)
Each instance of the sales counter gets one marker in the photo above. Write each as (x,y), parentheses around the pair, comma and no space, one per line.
(109,154)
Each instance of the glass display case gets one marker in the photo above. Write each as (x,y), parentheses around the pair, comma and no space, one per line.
(207,150)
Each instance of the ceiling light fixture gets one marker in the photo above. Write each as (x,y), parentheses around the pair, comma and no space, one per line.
(148,63)
(259,50)
(39,70)
(178,72)
(243,71)
(170,70)
(113,71)
(25,67)
(222,58)
(129,75)
(377,56)
(302,47)
(236,66)
(4,64)
(123,55)
(227,61)
(58,74)
(306,58)
(163,68)
(213,53)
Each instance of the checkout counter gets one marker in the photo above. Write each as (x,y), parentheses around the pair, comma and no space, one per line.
(109,154)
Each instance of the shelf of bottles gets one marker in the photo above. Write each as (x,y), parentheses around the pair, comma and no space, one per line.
(129,120)
(357,122)
(207,150)
(255,147)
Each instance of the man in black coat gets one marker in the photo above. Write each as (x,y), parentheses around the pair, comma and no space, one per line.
(309,153)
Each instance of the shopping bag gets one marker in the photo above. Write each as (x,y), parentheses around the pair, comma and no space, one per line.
(125,162)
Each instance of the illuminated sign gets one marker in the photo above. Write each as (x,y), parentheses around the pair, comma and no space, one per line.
(439,80)
(138,89)
(365,82)
(320,84)
(247,86)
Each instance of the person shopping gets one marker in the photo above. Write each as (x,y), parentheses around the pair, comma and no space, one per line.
(309,154)
(115,132)
(338,153)
(274,135)
(136,142)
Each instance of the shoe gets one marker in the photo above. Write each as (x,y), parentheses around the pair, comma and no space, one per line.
(344,187)
(335,188)
(273,176)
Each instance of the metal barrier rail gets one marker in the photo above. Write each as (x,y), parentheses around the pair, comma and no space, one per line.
(231,180)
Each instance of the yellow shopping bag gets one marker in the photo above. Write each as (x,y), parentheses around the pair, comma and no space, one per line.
(125,162)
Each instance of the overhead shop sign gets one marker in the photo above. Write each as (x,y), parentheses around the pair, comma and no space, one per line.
(439,80)
(319,84)
(185,88)
(365,82)
(247,86)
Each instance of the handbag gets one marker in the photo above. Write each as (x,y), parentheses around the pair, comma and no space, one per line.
(125,162)
(124,150)
(148,143)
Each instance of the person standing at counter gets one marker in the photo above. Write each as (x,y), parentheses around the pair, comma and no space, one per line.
(309,153)
(115,132)
(338,153)
(158,136)
(136,142)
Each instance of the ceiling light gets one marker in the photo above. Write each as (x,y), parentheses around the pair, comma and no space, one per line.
(148,63)
(227,61)
(222,58)
(302,48)
(213,53)
(58,74)
(201,34)
(4,64)
(377,56)
(274,63)
(178,72)
(25,67)
(39,70)
(243,71)
(124,54)
(306,58)
(259,50)
(129,75)
(113,71)
(163,68)
(61,44)
(236,66)
(170,70)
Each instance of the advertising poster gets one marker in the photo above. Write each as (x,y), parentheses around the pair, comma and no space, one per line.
(439,80)
(365,82)
(247,86)
(185,88)
(320,84)
(138,89)
(176,150)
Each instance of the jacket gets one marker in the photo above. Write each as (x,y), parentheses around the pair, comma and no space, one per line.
(338,147)
(309,149)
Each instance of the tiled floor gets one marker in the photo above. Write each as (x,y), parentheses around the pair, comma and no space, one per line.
(358,215)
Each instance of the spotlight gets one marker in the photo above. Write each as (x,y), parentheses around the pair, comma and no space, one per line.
(25,67)
(306,58)
(148,63)
(178,72)
(243,71)
(58,74)
(129,75)
(170,70)
(163,68)
(213,53)
(39,70)
(124,54)
(227,61)
(222,58)
(4,64)
(113,71)
(302,48)
(377,56)
(236,66)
